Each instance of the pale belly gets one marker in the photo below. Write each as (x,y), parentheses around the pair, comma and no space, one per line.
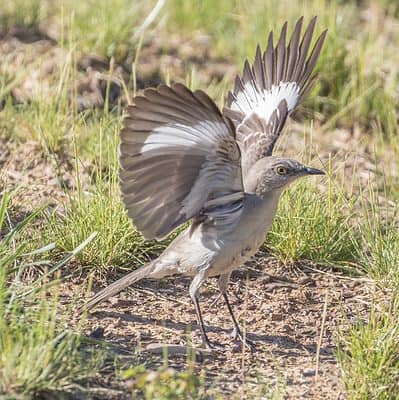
(218,252)
(236,253)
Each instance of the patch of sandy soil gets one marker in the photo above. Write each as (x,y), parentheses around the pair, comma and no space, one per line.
(36,179)
(292,313)
(43,61)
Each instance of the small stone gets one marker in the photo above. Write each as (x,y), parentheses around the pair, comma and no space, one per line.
(97,333)
(277,317)
(309,372)
(113,300)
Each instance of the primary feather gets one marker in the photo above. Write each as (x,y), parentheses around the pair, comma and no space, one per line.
(270,89)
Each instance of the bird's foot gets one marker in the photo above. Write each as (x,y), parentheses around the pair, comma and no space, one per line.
(236,334)
(207,344)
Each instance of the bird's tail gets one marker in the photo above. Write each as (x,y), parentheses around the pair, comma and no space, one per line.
(119,285)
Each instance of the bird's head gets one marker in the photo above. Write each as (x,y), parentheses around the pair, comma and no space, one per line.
(275,173)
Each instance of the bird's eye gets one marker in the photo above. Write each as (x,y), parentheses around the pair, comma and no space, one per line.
(282,170)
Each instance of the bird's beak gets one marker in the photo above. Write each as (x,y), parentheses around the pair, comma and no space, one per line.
(313,171)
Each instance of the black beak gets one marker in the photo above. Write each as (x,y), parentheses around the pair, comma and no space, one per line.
(313,171)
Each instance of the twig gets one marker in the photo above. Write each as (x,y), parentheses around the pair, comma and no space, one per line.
(323,321)
(150,18)
(159,295)
(342,277)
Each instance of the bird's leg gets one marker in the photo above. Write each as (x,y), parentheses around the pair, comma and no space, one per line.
(236,333)
(194,288)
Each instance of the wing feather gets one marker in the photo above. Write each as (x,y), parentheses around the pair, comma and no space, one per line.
(270,89)
(293,49)
(178,153)
(280,55)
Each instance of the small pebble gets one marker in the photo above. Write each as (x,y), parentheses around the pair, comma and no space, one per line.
(97,333)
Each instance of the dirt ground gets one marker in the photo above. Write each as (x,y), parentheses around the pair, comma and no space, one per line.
(290,312)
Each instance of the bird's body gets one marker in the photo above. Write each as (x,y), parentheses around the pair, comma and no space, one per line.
(183,159)
(216,249)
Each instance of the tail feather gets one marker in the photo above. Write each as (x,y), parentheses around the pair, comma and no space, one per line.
(119,285)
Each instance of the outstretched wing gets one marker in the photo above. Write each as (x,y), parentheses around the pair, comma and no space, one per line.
(178,157)
(270,89)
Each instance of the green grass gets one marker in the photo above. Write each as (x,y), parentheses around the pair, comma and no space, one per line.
(344,225)
(37,352)
(22,14)
(369,355)
(37,355)
(351,58)
(116,243)
(378,247)
(119,21)
(166,384)
(314,227)
(48,117)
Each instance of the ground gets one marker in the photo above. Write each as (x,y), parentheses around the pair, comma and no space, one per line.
(290,312)
(322,311)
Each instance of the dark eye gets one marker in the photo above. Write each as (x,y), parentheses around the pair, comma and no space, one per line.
(282,170)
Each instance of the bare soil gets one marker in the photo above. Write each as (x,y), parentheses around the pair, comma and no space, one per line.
(291,312)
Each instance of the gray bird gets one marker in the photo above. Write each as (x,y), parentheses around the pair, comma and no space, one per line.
(182,159)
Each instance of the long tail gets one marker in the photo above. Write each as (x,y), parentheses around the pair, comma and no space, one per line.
(119,285)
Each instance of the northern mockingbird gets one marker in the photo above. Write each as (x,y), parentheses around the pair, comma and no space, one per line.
(182,159)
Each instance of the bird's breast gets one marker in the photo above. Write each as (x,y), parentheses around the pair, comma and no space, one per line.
(238,246)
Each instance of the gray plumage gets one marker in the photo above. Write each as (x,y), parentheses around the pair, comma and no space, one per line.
(270,89)
(178,156)
(182,159)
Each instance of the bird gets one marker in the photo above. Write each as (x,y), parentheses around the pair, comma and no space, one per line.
(183,159)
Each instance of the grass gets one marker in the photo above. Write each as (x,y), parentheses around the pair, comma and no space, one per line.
(26,14)
(378,247)
(38,353)
(349,62)
(369,355)
(166,384)
(311,227)
(116,244)
(120,21)
(348,224)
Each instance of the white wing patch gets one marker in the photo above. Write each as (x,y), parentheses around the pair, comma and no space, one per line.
(178,154)
(265,102)
(270,88)
(184,136)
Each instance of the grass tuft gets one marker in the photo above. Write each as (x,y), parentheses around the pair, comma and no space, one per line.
(378,248)
(38,353)
(312,226)
(166,384)
(21,14)
(120,21)
(369,356)
(100,212)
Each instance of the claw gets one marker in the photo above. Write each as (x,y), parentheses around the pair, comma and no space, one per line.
(234,334)
(207,344)
(245,341)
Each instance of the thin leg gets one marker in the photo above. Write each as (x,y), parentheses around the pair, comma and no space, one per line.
(194,288)
(236,333)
